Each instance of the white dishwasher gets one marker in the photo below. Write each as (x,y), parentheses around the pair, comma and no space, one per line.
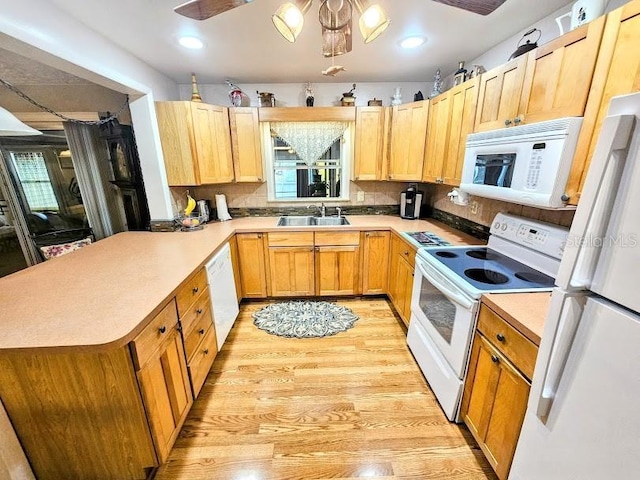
(222,289)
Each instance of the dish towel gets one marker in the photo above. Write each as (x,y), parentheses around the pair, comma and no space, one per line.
(221,207)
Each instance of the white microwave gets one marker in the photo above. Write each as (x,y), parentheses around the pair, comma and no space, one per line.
(528,164)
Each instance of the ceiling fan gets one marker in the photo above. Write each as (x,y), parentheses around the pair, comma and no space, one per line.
(203,9)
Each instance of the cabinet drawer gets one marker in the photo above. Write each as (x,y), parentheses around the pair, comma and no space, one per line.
(200,329)
(190,290)
(291,239)
(202,360)
(201,307)
(337,238)
(511,343)
(403,249)
(154,334)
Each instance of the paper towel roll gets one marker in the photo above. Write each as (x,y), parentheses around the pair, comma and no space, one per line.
(221,207)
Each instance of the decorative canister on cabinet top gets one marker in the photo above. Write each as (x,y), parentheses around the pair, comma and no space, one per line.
(266,99)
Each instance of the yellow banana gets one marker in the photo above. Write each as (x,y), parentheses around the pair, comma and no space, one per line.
(191,205)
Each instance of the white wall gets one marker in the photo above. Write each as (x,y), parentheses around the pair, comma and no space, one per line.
(39,30)
(325,94)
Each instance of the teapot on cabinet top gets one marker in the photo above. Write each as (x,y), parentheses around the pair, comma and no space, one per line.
(583,11)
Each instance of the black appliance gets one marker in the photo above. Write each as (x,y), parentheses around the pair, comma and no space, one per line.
(410,202)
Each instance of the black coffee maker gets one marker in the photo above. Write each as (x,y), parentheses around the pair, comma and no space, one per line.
(410,202)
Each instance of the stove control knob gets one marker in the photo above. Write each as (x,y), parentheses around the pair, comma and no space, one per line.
(496,225)
(504,227)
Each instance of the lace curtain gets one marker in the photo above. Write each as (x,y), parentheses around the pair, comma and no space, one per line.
(310,140)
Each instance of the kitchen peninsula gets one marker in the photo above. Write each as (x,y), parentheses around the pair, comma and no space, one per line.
(76,350)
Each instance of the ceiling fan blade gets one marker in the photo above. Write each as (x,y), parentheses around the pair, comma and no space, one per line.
(481,7)
(203,9)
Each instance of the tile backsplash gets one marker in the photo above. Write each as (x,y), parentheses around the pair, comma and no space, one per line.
(488,208)
(254,195)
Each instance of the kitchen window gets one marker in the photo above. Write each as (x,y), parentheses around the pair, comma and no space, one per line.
(31,168)
(307,161)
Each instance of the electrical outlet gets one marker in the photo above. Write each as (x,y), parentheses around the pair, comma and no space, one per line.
(473,206)
(360,196)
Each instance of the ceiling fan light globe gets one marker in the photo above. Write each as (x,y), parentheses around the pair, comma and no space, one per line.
(289,21)
(373,22)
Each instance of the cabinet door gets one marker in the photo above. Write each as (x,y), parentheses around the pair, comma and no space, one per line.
(233,245)
(246,145)
(176,125)
(212,143)
(408,135)
(375,263)
(494,404)
(369,143)
(436,150)
(617,72)
(405,289)
(464,99)
(558,75)
(292,271)
(337,270)
(167,393)
(499,95)
(251,261)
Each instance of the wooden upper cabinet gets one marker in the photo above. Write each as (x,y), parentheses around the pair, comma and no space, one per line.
(558,75)
(617,72)
(437,138)
(464,99)
(408,135)
(369,143)
(499,95)
(246,145)
(196,144)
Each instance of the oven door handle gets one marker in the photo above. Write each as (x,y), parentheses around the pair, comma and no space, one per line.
(442,284)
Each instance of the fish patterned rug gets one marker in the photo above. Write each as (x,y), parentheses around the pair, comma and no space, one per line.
(304,319)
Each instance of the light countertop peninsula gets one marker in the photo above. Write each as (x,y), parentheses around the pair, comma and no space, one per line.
(102,296)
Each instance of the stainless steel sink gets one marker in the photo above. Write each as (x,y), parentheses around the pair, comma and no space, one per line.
(330,221)
(301,221)
(295,221)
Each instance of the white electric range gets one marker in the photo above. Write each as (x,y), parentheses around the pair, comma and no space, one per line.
(522,255)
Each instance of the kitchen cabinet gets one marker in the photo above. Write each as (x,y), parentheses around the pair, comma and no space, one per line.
(291,264)
(408,135)
(552,81)
(370,142)
(251,265)
(451,119)
(196,143)
(163,378)
(497,388)
(198,330)
(617,72)
(375,262)
(233,246)
(245,144)
(401,266)
(337,263)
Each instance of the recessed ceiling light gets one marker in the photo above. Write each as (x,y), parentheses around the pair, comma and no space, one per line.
(412,42)
(191,42)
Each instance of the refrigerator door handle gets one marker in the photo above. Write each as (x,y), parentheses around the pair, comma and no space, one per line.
(569,317)
(592,217)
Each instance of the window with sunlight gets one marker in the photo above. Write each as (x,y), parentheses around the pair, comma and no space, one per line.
(32,172)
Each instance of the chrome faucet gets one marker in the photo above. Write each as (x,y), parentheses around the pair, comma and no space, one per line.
(339,210)
(322,210)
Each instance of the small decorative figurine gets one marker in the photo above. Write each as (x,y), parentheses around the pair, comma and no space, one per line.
(437,85)
(195,95)
(308,93)
(235,94)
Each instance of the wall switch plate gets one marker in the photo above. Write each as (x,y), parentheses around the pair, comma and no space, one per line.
(360,196)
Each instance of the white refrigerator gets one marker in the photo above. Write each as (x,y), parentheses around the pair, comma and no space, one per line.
(583,416)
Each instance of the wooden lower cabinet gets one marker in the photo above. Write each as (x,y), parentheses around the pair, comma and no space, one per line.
(251,265)
(337,263)
(496,391)
(375,262)
(292,271)
(233,245)
(401,265)
(167,393)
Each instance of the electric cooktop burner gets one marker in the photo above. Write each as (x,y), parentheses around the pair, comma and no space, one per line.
(489,270)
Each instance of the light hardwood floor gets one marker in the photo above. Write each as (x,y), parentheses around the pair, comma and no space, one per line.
(353,405)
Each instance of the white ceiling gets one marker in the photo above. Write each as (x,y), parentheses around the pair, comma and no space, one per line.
(243,45)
